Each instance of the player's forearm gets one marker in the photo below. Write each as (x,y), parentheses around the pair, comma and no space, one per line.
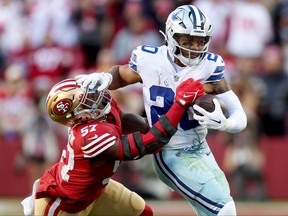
(116,82)
(119,80)
(132,122)
(174,115)
(123,75)
(136,145)
(237,120)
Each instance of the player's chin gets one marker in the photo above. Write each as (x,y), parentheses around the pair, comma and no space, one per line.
(194,56)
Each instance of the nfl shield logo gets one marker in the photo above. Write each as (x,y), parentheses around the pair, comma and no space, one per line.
(176,78)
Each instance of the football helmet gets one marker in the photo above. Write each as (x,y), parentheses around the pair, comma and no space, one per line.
(67,101)
(187,20)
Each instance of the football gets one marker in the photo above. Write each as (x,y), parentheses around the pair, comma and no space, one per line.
(206,102)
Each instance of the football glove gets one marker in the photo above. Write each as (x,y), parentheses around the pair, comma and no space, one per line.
(212,120)
(188,91)
(96,80)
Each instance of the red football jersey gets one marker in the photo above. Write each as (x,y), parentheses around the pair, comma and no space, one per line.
(73,179)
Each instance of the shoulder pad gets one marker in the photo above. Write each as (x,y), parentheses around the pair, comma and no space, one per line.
(97,138)
(216,65)
(142,55)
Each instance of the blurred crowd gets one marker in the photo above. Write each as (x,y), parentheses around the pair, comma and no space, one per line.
(44,41)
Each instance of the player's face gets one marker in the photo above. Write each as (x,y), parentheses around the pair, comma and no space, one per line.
(192,43)
(83,117)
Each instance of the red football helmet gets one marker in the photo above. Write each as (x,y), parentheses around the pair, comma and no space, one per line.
(67,103)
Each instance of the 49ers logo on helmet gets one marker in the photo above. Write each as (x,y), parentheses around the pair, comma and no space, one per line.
(62,107)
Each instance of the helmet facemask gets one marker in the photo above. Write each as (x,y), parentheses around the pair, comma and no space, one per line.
(96,103)
(192,57)
(68,104)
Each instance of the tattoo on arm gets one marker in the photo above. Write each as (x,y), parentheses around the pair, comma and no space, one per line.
(217,87)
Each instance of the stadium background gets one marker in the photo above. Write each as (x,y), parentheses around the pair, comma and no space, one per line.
(92,35)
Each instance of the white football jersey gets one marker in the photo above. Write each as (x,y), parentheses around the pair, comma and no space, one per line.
(161,76)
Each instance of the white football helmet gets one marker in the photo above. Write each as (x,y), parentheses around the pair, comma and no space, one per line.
(187,20)
(67,102)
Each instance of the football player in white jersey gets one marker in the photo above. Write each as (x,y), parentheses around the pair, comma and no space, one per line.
(186,163)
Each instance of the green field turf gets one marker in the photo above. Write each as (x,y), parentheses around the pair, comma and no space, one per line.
(12,207)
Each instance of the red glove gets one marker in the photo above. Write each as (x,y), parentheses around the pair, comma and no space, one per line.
(188,91)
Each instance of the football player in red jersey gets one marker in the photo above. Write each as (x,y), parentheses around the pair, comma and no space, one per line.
(100,137)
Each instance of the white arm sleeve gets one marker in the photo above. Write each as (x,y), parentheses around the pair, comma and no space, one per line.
(237,119)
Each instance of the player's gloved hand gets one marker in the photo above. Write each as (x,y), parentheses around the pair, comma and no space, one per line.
(212,120)
(94,80)
(188,91)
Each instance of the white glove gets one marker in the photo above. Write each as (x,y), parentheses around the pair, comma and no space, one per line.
(94,80)
(212,120)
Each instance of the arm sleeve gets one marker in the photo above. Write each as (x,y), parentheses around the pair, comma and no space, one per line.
(237,120)
(135,145)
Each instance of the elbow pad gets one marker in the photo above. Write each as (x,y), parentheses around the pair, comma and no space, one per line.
(136,145)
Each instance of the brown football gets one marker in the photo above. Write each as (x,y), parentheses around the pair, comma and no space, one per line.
(206,102)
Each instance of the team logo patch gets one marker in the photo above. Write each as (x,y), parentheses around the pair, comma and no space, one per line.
(62,107)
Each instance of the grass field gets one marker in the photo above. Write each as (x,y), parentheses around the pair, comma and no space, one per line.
(12,207)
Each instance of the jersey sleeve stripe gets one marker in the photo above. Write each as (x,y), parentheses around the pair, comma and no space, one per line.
(95,141)
(219,69)
(133,61)
(215,77)
(96,145)
(132,65)
(133,58)
(100,150)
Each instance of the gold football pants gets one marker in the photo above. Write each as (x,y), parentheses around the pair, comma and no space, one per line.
(116,200)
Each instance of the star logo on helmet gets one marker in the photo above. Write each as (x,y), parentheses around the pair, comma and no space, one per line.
(178,16)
